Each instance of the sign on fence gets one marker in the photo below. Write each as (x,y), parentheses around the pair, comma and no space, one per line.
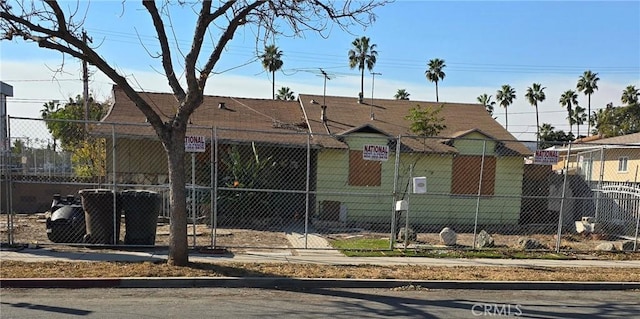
(196,144)
(545,157)
(375,152)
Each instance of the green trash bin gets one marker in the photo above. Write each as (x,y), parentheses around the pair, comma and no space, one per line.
(141,209)
(102,222)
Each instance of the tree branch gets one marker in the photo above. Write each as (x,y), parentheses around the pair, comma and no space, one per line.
(62,23)
(166,51)
(204,18)
(226,36)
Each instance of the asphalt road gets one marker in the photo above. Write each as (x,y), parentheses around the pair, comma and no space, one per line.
(316,303)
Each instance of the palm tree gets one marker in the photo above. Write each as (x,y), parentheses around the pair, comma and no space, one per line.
(630,95)
(485,100)
(362,55)
(285,94)
(435,73)
(402,94)
(578,117)
(505,97)
(272,62)
(587,83)
(568,99)
(534,95)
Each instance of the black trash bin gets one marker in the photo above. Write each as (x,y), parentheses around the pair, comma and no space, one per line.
(141,209)
(100,216)
(66,221)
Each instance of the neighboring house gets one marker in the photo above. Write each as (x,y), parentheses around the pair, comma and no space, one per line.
(614,159)
(451,162)
(604,175)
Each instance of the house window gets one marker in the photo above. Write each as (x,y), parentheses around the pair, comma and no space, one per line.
(362,172)
(622,164)
(466,175)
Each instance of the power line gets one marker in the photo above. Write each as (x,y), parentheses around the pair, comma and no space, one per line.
(452,66)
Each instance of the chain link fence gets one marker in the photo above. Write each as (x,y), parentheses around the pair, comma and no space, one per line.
(96,183)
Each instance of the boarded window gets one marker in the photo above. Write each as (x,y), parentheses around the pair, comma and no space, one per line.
(363,173)
(466,175)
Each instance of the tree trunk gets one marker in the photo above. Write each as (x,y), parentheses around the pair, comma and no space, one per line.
(537,127)
(178,248)
(589,115)
(437,92)
(273,84)
(506,119)
(361,95)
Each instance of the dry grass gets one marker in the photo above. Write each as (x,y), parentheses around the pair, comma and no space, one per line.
(31,229)
(16,269)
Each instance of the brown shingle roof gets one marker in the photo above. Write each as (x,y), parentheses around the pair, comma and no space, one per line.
(345,113)
(239,120)
(633,138)
(274,121)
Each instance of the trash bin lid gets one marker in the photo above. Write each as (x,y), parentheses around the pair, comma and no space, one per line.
(95,190)
(139,192)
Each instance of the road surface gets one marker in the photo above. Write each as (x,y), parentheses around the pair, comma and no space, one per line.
(317,303)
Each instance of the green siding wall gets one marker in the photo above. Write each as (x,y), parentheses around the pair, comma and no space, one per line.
(473,144)
(375,204)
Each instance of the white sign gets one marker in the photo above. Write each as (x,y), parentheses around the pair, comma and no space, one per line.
(419,185)
(196,144)
(375,152)
(544,157)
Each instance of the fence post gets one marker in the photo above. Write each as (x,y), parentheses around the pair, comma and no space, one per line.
(306,200)
(114,187)
(392,237)
(214,184)
(193,196)
(635,242)
(9,191)
(475,222)
(564,188)
(406,214)
(600,180)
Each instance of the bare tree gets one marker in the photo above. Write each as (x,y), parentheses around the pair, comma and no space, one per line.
(59,28)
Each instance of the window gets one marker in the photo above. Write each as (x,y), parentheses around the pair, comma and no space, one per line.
(466,175)
(622,163)
(362,172)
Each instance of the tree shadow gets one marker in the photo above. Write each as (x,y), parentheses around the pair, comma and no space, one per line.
(55,309)
(390,305)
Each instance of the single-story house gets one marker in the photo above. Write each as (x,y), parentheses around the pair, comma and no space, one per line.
(613,159)
(451,162)
(345,184)
(605,175)
(277,129)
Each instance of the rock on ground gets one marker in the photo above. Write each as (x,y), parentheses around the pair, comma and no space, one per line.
(484,240)
(530,243)
(608,246)
(448,236)
(411,234)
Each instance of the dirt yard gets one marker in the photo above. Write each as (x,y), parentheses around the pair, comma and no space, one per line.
(32,229)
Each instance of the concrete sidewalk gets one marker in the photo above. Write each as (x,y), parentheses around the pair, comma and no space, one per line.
(300,256)
(297,256)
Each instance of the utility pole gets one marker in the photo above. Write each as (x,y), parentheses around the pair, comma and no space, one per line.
(373,81)
(85,81)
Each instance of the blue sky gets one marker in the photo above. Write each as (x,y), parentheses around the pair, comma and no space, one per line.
(485,44)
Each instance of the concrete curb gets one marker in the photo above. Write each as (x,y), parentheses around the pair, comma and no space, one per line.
(304,283)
